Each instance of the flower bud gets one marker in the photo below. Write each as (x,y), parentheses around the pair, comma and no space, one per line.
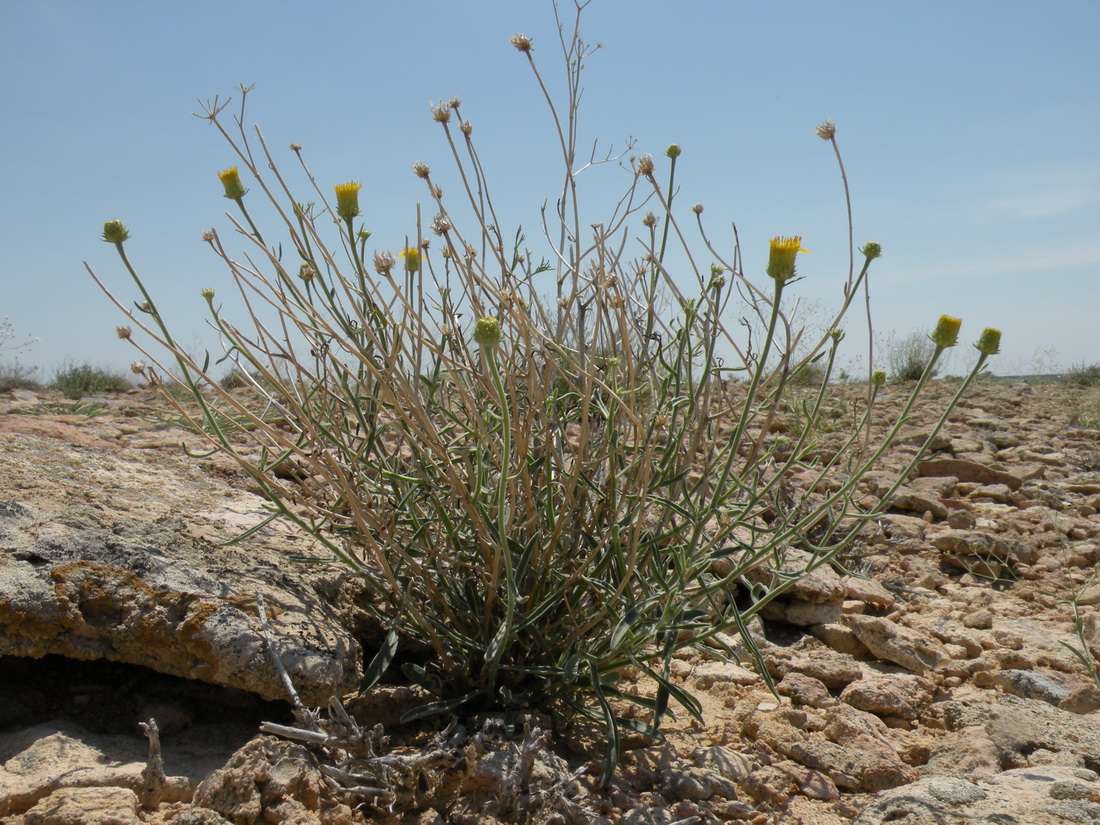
(946,333)
(115,232)
(231,180)
(347,199)
(878,378)
(871,250)
(781,255)
(989,342)
(487,332)
(207,293)
(673,150)
(307,272)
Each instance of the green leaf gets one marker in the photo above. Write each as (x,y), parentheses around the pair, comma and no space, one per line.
(440,706)
(382,660)
(611,725)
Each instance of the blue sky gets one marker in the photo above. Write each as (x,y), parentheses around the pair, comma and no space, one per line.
(970,132)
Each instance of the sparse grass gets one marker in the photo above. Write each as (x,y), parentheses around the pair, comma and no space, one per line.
(80,380)
(1082,376)
(16,376)
(87,408)
(1087,415)
(907,357)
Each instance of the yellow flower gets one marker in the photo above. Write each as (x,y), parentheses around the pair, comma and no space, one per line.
(781,257)
(946,333)
(989,342)
(412,259)
(231,180)
(347,199)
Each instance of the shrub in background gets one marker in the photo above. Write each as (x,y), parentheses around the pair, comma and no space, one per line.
(80,380)
(908,357)
(536,468)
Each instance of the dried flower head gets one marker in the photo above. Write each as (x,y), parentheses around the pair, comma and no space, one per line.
(347,199)
(441,112)
(781,255)
(697,209)
(645,165)
(137,367)
(294,147)
(454,102)
(440,224)
(521,41)
(649,220)
(421,169)
(466,128)
(231,180)
(826,129)
(307,272)
(946,333)
(384,262)
(115,232)
(123,332)
(487,332)
(989,342)
(209,235)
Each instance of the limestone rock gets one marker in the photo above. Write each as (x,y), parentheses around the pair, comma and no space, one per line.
(86,806)
(1047,795)
(895,643)
(149,595)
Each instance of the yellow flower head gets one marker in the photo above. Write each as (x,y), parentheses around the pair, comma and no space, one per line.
(412,259)
(781,257)
(946,333)
(231,180)
(989,342)
(347,199)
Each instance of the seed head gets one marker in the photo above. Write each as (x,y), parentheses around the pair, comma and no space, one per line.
(697,209)
(521,41)
(441,112)
(946,333)
(421,169)
(826,129)
(384,262)
(307,272)
(231,180)
(137,367)
(123,332)
(466,128)
(645,165)
(454,102)
(440,224)
(209,235)
(115,232)
(294,147)
(649,220)
(781,257)
(347,199)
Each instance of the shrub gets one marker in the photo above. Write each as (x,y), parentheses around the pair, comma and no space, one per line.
(79,380)
(908,357)
(17,376)
(1082,375)
(543,477)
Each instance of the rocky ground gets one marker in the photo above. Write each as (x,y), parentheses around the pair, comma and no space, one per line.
(943,682)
